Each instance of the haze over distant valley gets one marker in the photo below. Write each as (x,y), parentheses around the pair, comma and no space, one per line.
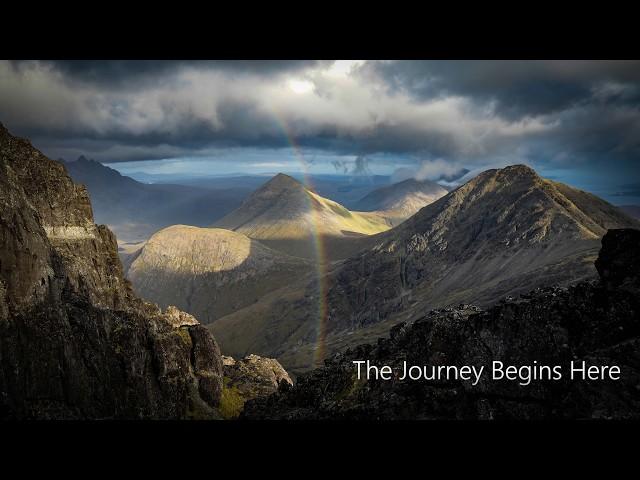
(134,210)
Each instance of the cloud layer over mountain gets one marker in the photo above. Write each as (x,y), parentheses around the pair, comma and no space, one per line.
(454,112)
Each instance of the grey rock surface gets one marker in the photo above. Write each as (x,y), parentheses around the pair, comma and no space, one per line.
(74,340)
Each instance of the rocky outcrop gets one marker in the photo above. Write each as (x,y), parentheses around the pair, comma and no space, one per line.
(248,378)
(255,376)
(74,341)
(596,322)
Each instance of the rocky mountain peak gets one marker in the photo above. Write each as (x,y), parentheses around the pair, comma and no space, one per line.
(284,209)
(518,170)
(279,184)
(283,179)
(500,233)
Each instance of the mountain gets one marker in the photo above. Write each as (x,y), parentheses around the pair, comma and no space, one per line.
(135,210)
(401,200)
(209,272)
(591,322)
(346,189)
(631,210)
(502,233)
(75,343)
(286,216)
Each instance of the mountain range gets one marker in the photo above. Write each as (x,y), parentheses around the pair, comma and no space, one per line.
(76,342)
(504,232)
(135,210)
(213,272)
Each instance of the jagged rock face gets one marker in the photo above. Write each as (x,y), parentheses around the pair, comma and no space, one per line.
(255,376)
(593,321)
(74,341)
(619,261)
(46,214)
(209,272)
(249,378)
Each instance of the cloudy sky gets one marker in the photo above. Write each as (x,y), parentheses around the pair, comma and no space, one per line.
(574,121)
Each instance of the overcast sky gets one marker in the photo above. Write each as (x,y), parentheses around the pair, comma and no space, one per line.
(577,121)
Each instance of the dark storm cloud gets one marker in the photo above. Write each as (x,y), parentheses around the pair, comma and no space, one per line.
(463,112)
(137,73)
(518,88)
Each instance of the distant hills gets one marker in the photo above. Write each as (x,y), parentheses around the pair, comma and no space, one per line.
(401,200)
(404,249)
(135,210)
(504,232)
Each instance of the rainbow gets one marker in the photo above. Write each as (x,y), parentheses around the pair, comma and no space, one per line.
(320,252)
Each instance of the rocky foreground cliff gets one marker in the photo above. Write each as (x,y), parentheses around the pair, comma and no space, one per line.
(597,322)
(75,342)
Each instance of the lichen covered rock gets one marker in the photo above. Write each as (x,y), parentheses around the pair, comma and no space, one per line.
(248,378)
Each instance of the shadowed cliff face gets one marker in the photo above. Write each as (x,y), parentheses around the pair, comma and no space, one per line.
(74,341)
(596,322)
